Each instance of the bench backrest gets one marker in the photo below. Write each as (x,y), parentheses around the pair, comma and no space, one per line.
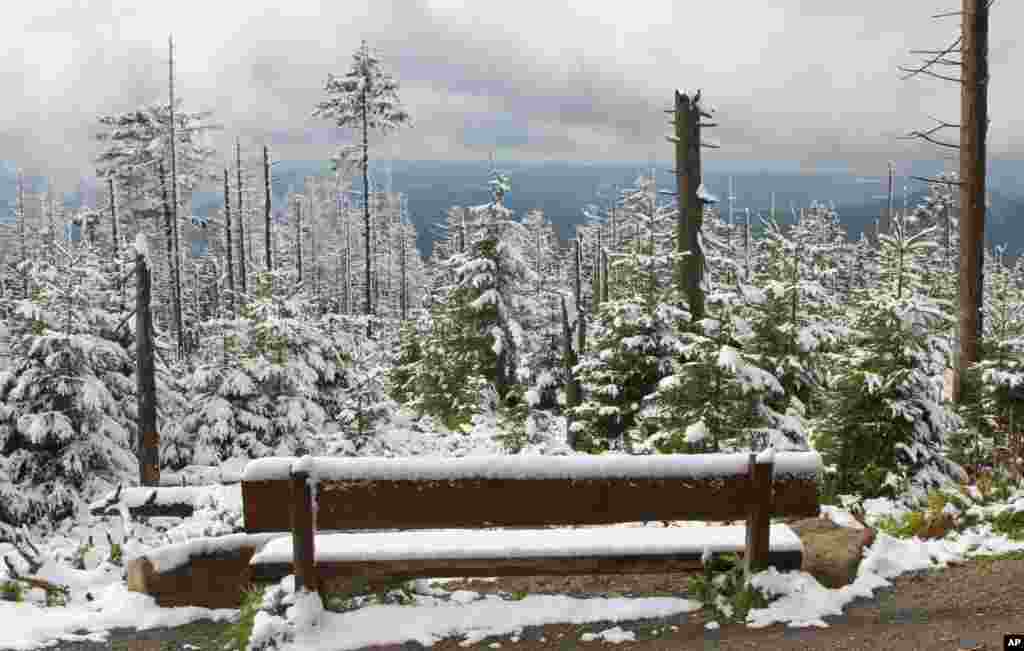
(526,490)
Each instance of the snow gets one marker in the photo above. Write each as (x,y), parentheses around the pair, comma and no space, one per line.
(437,613)
(452,544)
(31,626)
(533,466)
(767,455)
(167,558)
(435,620)
(142,247)
(696,432)
(613,635)
(705,196)
(134,497)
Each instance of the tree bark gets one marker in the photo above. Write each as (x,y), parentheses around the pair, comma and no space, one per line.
(973,131)
(178,319)
(241,220)
(581,333)
(368,310)
(169,233)
(113,214)
(690,269)
(298,238)
(266,207)
(149,438)
(227,244)
(572,386)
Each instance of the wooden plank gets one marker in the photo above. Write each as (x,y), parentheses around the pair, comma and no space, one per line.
(519,503)
(758,516)
(302,532)
(328,573)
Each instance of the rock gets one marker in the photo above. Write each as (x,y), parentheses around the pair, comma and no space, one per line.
(831,553)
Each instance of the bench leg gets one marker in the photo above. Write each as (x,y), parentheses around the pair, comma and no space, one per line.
(303,553)
(759,508)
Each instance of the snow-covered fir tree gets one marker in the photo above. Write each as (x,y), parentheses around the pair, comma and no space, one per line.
(67,403)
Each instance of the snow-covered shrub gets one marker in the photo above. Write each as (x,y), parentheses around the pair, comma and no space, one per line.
(884,411)
(67,397)
(717,396)
(631,349)
(266,393)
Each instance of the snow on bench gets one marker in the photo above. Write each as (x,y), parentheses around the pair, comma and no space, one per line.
(462,544)
(420,496)
(530,466)
(170,557)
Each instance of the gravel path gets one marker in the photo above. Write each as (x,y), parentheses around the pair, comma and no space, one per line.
(969,606)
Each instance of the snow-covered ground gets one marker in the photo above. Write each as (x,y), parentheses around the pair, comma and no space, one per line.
(99,599)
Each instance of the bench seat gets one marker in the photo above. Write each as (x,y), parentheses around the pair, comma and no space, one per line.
(460,552)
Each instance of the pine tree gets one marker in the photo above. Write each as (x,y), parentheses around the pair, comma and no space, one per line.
(885,424)
(366,98)
(67,408)
(268,388)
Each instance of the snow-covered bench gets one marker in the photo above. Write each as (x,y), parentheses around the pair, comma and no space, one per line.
(427,505)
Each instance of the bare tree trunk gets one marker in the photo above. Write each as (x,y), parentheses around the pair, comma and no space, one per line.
(149,438)
(366,208)
(266,207)
(113,214)
(178,320)
(581,334)
(973,131)
(298,238)
(169,232)
(22,229)
(403,303)
(690,217)
(595,302)
(604,276)
(572,386)
(242,229)
(227,243)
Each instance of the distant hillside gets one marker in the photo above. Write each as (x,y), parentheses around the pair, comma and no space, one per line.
(561,190)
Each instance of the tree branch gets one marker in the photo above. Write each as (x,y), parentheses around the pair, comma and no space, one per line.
(911,72)
(928,179)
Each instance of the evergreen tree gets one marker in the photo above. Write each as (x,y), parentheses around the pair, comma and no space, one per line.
(366,99)
(67,406)
(885,424)
(269,390)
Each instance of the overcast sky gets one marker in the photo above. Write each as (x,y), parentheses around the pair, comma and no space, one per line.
(791,80)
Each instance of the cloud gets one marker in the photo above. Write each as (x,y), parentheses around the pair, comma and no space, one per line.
(801,80)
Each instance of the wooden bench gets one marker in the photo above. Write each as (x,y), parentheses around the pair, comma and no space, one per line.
(419,496)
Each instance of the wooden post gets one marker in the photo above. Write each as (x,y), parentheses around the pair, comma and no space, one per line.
(149,438)
(758,516)
(302,533)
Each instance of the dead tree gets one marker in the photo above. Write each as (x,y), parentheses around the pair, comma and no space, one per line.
(113,213)
(178,320)
(266,207)
(972,46)
(149,438)
(227,241)
(687,114)
(241,218)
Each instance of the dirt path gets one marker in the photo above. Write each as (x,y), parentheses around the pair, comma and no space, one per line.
(969,606)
